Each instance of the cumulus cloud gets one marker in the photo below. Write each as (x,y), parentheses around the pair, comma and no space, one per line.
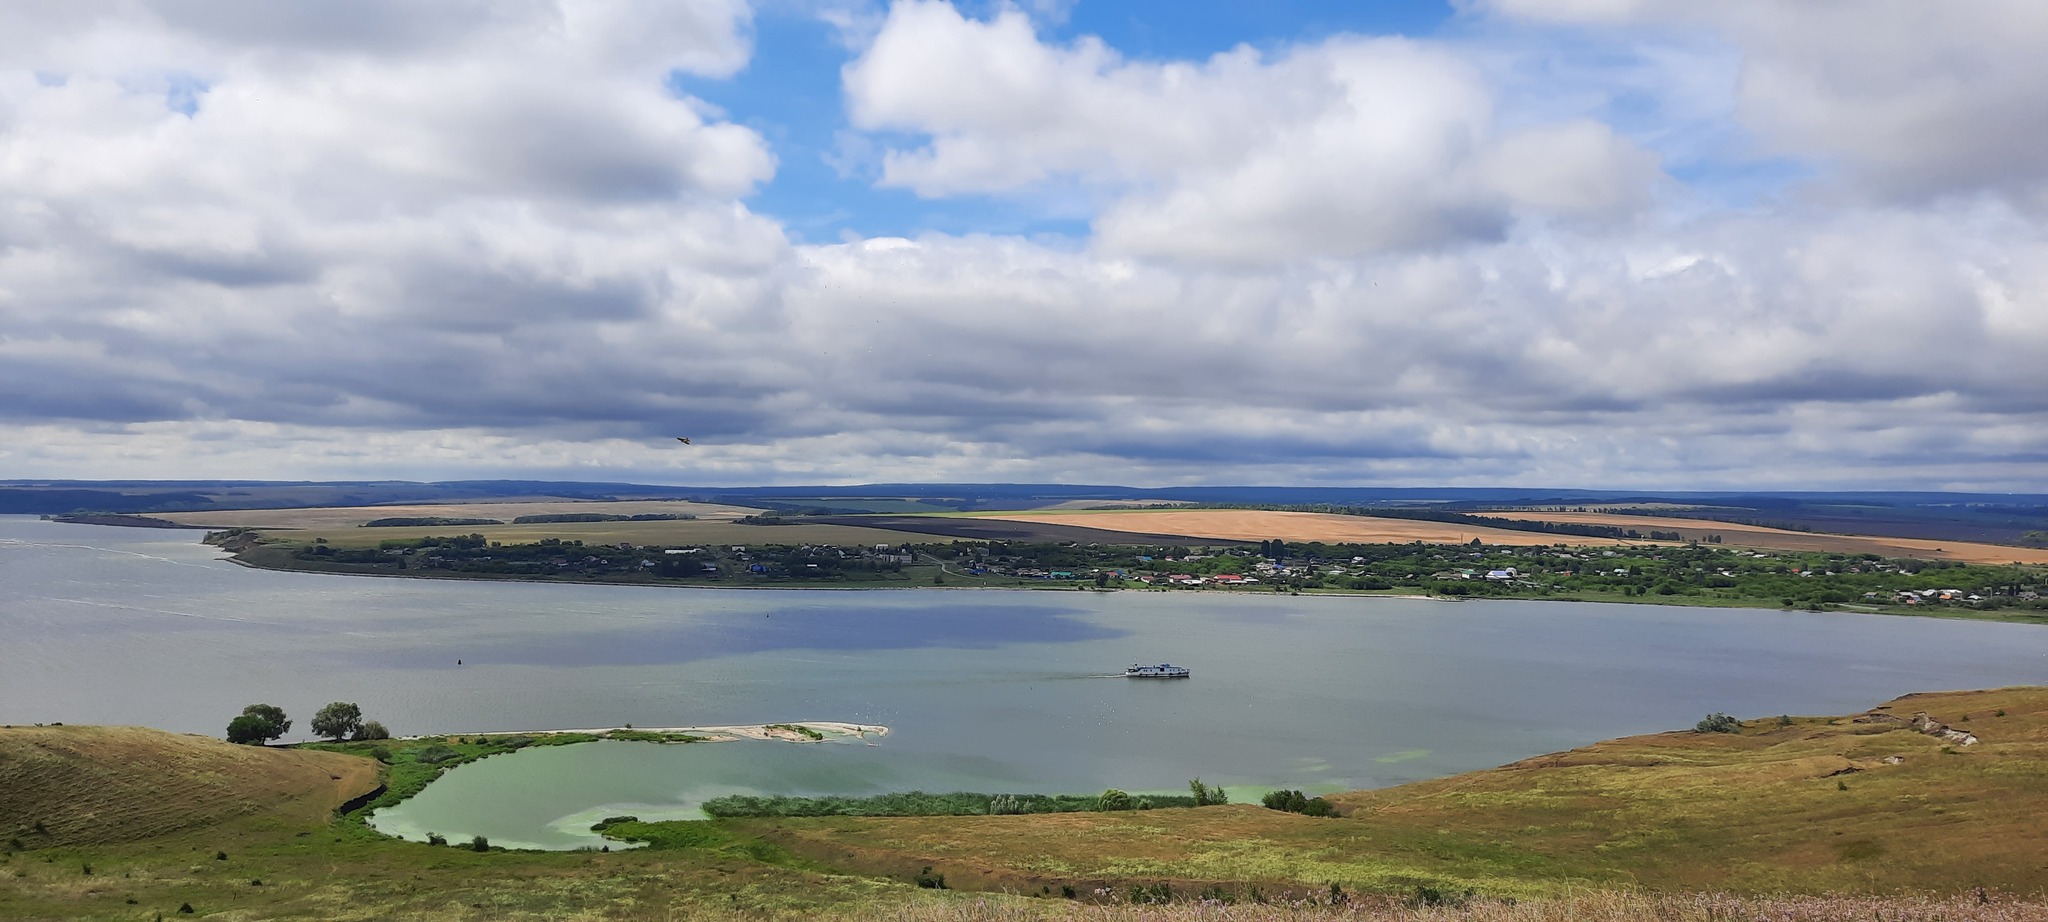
(474,240)
(1905,100)
(1345,147)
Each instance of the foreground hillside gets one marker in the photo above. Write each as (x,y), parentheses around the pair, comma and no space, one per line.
(1801,820)
(89,785)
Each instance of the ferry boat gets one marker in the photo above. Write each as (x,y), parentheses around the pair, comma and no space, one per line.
(1161,671)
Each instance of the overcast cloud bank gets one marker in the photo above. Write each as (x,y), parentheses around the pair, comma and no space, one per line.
(472,240)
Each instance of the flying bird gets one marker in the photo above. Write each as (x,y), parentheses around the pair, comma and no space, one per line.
(682,440)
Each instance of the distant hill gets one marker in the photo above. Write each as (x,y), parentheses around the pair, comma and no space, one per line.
(2002,518)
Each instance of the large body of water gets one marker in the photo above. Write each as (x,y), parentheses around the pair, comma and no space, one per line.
(983,690)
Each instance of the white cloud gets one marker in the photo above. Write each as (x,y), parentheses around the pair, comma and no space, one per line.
(490,241)
(1349,146)
(1907,100)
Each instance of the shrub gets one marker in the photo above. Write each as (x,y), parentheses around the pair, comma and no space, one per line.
(372,730)
(381,754)
(1113,799)
(1717,722)
(1289,801)
(930,881)
(1439,896)
(435,838)
(480,844)
(436,754)
(1317,806)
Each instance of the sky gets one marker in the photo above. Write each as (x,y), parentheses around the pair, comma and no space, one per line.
(1618,244)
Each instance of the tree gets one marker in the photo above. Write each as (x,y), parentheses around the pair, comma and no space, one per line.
(372,730)
(259,724)
(1113,799)
(248,729)
(337,720)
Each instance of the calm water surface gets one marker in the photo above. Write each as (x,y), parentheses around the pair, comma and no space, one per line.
(983,690)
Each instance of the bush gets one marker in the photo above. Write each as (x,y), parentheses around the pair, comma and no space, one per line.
(435,838)
(436,754)
(1112,800)
(1440,896)
(480,844)
(1288,801)
(930,881)
(372,730)
(1717,722)
(381,754)
(1297,802)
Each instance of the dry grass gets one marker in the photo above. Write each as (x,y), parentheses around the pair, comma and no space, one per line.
(330,517)
(1259,525)
(1763,811)
(1784,539)
(1588,907)
(80,785)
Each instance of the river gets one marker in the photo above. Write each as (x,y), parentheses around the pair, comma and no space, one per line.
(993,690)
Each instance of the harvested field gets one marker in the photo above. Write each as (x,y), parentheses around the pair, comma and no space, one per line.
(993,528)
(89,785)
(352,516)
(668,534)
(1259,525)
(1757,536)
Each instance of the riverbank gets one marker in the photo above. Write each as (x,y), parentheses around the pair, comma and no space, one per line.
(251,551)
(795,732)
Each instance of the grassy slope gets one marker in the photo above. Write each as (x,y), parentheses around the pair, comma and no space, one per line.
(76,785)
(1758,811)
(139,815)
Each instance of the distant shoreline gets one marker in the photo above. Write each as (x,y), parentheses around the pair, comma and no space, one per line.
(829,730)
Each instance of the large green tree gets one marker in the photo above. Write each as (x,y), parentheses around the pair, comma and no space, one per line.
(259,724)
(338,720)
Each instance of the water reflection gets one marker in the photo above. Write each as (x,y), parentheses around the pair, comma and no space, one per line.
(815,627)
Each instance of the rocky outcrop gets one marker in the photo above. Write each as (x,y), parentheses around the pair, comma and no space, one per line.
(1921,723)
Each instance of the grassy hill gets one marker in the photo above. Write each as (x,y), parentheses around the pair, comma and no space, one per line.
(91,785)
(1802,820)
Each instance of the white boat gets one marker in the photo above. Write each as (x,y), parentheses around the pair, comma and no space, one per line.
(1161,671)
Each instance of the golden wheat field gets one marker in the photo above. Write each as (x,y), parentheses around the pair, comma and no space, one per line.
(1259,525)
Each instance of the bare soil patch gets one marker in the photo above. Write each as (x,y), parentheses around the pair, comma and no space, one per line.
(1260,525)
(90,785)
(1784,539)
